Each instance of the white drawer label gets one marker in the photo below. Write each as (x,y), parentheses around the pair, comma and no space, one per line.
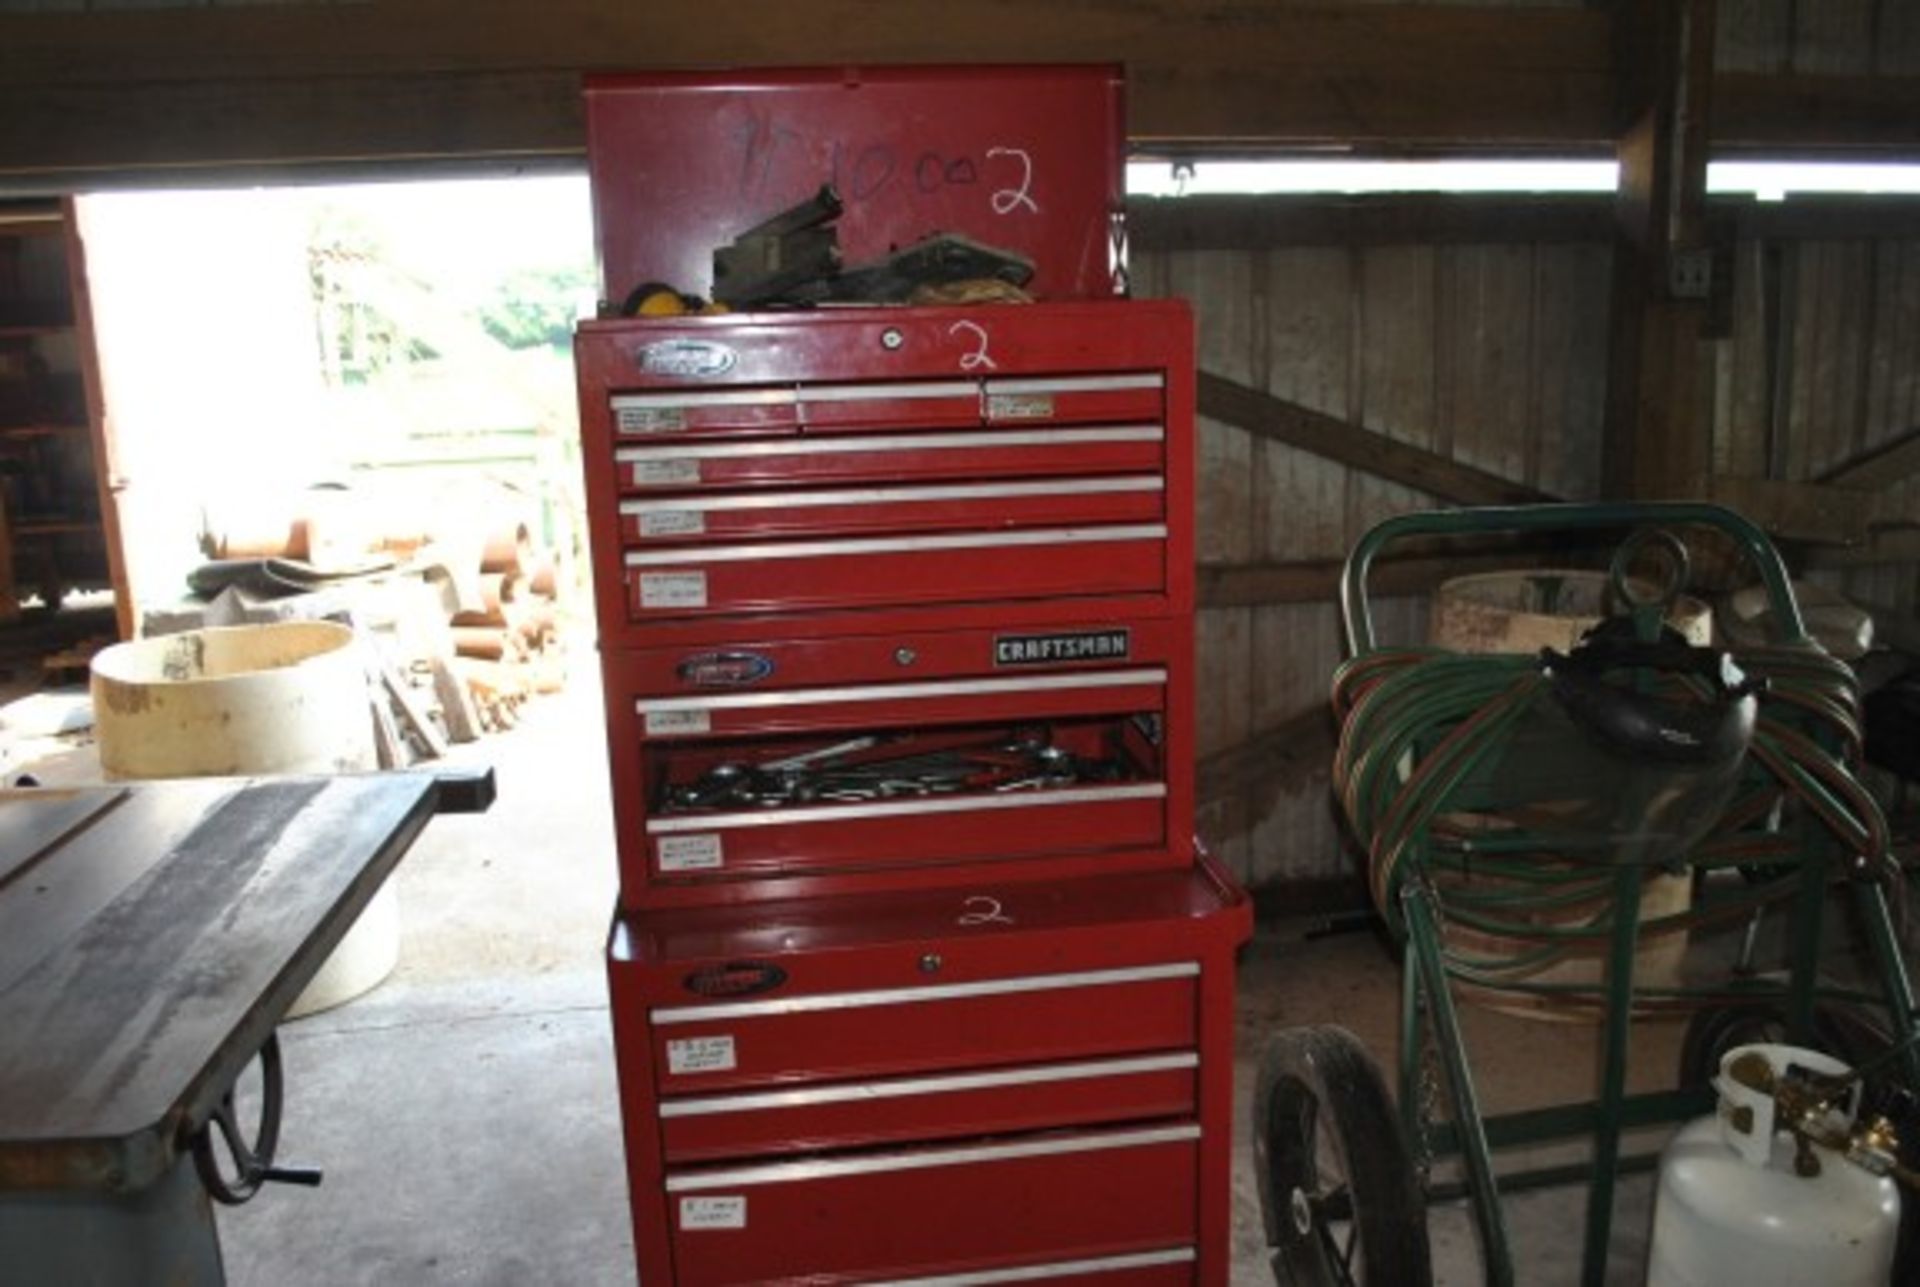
(673,522)
(652,419)
(1019,406)
(700,1055)
(665,473)
(713,1213)
(673,589)
(691,853)
(668,723)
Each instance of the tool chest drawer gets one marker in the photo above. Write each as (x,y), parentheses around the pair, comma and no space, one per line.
(1119,1196)
(883,834)
(956,567)
(946,1104)
(991,506)
(1022,1018)
(841,757)
(691,470)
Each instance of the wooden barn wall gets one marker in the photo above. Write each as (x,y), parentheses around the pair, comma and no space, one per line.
(1818,37)
(1822,367)
(1492,354)
(1495,355)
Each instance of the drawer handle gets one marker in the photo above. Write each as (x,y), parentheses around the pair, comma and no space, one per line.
(800,814)
(1075,383)
(1153,676)
(912,1087)
(1059,1269)
(905,392)
(856,496)
(865,444)
(939,992)
(900,545)
(920,1160)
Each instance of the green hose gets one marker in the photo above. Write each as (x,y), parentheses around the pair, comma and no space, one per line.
(1423,730)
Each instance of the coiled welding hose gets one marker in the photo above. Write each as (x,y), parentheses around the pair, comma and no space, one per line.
(1417,724)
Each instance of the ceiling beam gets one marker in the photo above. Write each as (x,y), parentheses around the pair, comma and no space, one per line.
(1783,114)
(252,89)
(235,85)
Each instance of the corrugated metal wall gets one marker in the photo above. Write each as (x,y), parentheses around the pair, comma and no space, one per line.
(1495,355)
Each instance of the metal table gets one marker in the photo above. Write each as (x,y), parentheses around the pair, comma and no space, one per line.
(151,937)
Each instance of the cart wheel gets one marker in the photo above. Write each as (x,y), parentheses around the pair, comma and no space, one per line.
(1337,1187)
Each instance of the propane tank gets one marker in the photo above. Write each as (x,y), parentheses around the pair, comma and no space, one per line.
(1746,1196)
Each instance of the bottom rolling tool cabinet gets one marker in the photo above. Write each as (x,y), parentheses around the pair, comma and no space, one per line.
(984,1084)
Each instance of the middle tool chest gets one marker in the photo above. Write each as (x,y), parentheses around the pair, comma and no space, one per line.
(844,764)
(918,975)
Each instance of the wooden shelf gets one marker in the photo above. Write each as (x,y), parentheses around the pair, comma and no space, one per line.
(63,530)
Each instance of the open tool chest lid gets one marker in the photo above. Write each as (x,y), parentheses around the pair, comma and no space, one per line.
(1027,160)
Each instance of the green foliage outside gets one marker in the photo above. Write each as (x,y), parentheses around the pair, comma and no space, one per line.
(354,273)
(535,307)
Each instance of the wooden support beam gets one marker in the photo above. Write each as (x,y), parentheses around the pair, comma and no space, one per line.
(1315,580)
(103,92)
(1656,439)
(1283,759)
(1356,446)
(1890,463)
(246,91)
(1782,113)
(1900,546)
(1821,513)
(408,36)
(1424,566)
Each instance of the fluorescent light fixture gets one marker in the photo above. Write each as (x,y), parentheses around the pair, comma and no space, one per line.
(1763,180)
(1777,180)
(1214,178)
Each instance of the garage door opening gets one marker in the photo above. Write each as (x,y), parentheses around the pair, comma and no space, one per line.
(320,393)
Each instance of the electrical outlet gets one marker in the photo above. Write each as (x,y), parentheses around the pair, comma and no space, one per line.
(1690,273)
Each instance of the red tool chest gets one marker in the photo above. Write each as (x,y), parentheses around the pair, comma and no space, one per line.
(1027,158)
(918,975)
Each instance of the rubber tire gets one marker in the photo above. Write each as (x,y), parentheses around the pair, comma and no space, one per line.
(1323,1078)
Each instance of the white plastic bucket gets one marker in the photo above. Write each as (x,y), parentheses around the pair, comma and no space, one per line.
(285,697)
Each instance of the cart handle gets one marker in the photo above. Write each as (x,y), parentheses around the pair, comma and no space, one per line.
(1357,615)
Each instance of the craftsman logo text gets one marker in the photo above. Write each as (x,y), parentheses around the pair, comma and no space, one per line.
(1047,650)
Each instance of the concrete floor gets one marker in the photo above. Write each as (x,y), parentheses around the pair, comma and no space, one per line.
(465,1111)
